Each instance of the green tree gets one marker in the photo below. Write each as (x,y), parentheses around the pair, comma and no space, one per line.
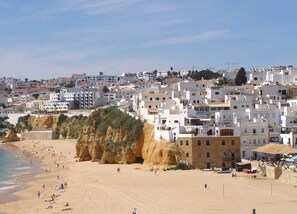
(105,89)
(35,96)
(241,78)
(8,90)
(71,84)
(205,74)
(174,73)
(223,81)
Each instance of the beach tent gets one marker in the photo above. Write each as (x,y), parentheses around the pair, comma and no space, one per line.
(275,149)
(59,187)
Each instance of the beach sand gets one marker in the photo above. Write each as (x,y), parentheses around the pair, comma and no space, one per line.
(96,188)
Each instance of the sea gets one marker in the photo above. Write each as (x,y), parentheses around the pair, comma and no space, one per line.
(13,169)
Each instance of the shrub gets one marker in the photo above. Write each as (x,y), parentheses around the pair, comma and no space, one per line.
(181,166)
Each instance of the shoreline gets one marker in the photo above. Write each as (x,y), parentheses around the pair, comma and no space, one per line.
(100,188)
(20,175)
(43,173)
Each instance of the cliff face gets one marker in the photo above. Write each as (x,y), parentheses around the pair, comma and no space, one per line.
(113,145)
(43,122)
(68,127)
(11,135)
(158,152)
(109,136)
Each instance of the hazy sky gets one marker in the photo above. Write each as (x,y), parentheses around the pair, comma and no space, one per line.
(54,38)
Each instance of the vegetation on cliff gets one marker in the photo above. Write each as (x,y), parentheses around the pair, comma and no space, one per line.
(68,127)
(3,126)
(71,127)
(112,117)
(23,124)
(109,135)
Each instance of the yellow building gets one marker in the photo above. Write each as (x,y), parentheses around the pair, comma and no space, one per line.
(211,151)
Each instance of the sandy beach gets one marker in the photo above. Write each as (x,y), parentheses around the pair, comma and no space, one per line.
(97,188)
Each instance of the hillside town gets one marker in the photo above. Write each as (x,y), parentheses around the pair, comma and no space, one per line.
(215,121)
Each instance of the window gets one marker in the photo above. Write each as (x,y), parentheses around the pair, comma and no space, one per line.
(232,142)
(199,154)
(243,154)
(163,98)
(264,141)
(245,130)
(254,141)
(217,93)
(223,164)
(223,142)
(187,154)
(176,121)
(207,154)
(150,106)
(151,98)
(181,142)
(262,130)
(199,143)
(157,98)
(207,143)
(254,131)
(187,142)
(233,156)
(235,107)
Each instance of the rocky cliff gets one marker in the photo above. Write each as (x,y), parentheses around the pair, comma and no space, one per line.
(108,136)
(69,128)
(11,135)
(114,137)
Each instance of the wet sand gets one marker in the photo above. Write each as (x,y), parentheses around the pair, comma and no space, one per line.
(96,188)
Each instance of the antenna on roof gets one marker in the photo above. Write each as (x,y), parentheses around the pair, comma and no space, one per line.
(230,63)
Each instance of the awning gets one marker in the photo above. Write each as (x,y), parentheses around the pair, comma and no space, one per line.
(275,148)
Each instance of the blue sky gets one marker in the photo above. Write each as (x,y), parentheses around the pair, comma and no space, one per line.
(54,38)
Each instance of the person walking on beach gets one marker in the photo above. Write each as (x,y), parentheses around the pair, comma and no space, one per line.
(118,169)
(38,194)
(134,211)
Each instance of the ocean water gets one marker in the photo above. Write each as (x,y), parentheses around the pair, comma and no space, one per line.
(11,166)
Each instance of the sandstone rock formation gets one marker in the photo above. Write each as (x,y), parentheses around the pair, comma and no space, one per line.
(158,152)
(109,136)
(11,135)
(112,145)
(69,128)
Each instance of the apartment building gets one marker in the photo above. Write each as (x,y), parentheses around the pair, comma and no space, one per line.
(218,149)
